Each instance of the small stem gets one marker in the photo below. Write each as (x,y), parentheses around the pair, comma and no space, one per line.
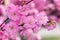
(4,22)
(28,2)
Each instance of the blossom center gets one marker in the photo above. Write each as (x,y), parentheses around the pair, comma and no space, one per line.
(14,14)
(23,2)
(11,27)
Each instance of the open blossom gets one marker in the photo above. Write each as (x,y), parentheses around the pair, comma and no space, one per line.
(50,7)
(12,29)
(33,12)
(51,24)
(39,3)
(13,13)
(28,32)
(29,26)
(41,18)
(24,9)
(29,23)
(31,4)
(57,3)
(29,20)
(36,28)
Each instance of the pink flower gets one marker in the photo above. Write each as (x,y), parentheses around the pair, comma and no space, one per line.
(57,3)
(24,9)
(29,20)
(20,21)
(40,4)
(29,26)
(33,12)
(13,13)
(51,25)
(36,28)
(49,8)
(4,35)
(41,18)
(31,4)
(12,29)
(28,32)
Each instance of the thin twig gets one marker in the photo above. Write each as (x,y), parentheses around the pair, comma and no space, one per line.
(4,22)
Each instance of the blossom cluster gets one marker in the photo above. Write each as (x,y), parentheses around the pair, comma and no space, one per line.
(22,19)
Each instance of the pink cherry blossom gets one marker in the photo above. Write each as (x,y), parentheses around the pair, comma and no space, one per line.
(24,9)
(57,3)
(12,29)
(36,28)
(4,35)
(29,20)
(31,4)
(40,4)
(13,13)
(41,18)
(50,7)
(28,32)
(33,12)
(51,25)
(29,26)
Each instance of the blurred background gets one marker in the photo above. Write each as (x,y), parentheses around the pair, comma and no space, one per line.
(50,35)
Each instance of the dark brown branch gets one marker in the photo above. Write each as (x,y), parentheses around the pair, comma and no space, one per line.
(28,2)
(4,22)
